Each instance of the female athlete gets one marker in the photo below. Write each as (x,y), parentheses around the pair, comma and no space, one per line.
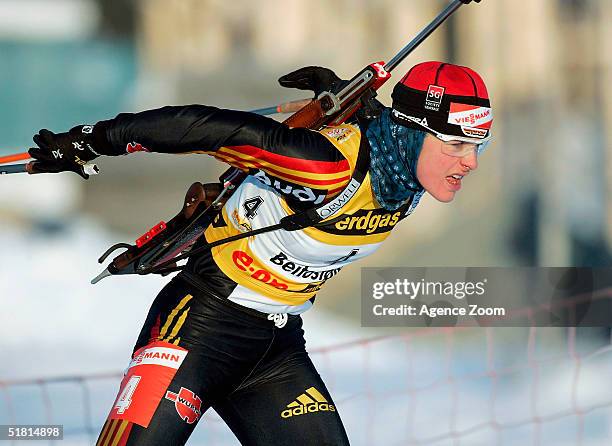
(226,332)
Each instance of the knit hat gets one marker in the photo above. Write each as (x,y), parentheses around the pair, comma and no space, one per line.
(444,99)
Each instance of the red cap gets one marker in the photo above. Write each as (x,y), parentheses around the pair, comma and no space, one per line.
(450,99)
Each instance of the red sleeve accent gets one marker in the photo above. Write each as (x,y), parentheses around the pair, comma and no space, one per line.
(292,163)
(234,161)
(126,435)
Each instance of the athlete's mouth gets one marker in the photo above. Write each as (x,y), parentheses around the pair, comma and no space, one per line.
(455,179)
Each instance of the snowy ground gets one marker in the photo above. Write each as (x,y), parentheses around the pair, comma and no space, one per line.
(396,391)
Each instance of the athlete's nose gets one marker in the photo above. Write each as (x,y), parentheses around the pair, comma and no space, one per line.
(470,161)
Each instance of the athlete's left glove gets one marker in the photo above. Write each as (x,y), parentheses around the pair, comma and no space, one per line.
(317,79)
(320,79)
(70,151)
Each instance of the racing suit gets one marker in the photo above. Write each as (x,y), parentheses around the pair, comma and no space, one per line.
(226,332)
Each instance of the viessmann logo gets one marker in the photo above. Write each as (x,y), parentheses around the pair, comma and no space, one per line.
(470,115)
(165,356)
(308,402)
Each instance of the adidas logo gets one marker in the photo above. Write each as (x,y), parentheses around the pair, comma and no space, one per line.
(308,402)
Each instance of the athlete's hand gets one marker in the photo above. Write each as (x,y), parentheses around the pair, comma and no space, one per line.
(61,152)
(317,79)
(469,1)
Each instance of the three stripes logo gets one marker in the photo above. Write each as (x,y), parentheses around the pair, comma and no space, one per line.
(169,332)
(308,402)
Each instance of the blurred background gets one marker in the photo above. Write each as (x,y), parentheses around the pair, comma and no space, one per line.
(541,196)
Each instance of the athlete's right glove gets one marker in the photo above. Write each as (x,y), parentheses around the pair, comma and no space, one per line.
(61,152)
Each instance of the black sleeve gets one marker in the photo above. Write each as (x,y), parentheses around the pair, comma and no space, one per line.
(200,128)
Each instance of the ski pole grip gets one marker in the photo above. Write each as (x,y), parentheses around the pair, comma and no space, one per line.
(89,168)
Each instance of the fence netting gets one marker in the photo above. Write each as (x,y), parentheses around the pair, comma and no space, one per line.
(429,386)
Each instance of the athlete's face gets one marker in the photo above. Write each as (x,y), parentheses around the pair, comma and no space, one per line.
(435,169)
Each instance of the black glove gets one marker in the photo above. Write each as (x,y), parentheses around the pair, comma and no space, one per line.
(469,1)
(317,79)
(61,152)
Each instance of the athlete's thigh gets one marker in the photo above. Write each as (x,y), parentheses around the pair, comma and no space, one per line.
(160,399)
(181,364)
(285,404)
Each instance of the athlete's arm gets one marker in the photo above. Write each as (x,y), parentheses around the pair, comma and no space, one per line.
(200,128)
(245,140)
(242,139)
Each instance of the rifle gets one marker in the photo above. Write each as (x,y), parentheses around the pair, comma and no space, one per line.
(160,248)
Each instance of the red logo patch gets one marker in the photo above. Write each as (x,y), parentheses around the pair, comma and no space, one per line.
(434,98)
(187,404)
(146,381)
(470,116)
(135,147)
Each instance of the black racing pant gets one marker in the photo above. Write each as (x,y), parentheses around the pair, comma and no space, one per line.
(256,376)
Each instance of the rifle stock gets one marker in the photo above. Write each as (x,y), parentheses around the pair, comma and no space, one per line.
(308,116)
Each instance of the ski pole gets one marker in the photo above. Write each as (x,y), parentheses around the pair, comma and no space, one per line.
(14,157)
(89,168)
(285,107)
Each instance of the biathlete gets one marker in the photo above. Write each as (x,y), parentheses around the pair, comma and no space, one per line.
(226,332)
